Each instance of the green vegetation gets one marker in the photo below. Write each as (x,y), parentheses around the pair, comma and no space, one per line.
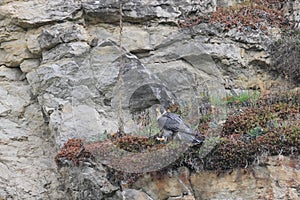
(270,126)
(243,98)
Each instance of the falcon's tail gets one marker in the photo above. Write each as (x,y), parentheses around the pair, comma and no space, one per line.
(186,137)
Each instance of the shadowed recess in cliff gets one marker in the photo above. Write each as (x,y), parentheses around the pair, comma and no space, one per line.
(148,95)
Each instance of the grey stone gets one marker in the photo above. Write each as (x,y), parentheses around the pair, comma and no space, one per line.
(6,28)
(10,74)
(68,50)
(15,98)
(38,12)
(29,65)
(11,130)
(195,51)
(167,185)
(87,182)
(145,38)
(137,11)
(61,33)
(12,53)
(4,110)
(32,42)
(79,121)
(135,194)
(87,91)
(22,145)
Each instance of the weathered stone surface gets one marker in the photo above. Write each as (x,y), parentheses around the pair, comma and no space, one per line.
(12,53)
(198,50)
(13,46)
(134,194)
(14,96)
(278,179)
(39,12)
(86,90)
(61,33)
(164,186)
(68,50)
(293,10)
(32,41)
(141,41)
(7,74)
(137,11)
(86,182)
(29,65)
(27,167)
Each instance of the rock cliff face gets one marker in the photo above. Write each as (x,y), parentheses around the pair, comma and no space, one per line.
(59,66)
(276,179)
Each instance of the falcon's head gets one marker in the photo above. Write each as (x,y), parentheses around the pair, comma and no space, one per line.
(160,110)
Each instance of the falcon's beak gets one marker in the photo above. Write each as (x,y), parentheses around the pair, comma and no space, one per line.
(158,113)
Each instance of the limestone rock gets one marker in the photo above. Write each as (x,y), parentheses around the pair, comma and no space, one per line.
(61,33)
(12,53)
(135,194)
(84,88)
(278,179)
(141,41)
(14,96)
(164,186)
(29,65)
(195,51)
(13,47)
(144,41)
(27,170)
(32,42)
(80,121)
(38,12)
(68,50)
(86,182)
(8,74)
(8,31)
(137,11)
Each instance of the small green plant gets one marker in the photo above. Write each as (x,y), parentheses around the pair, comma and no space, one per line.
(149,130)
(255,132)
(244,97)
(98,137)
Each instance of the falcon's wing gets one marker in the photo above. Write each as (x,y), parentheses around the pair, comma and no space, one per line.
(170,121)
(178,122)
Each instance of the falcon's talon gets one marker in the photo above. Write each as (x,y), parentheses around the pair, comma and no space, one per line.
(162,139)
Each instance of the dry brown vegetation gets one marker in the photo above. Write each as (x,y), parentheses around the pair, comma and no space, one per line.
(246,17)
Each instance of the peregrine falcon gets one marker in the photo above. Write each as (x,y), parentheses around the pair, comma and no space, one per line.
(172,124)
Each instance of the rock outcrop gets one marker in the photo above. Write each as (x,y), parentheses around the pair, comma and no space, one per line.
(59,75)
(275,178)
(27,150)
